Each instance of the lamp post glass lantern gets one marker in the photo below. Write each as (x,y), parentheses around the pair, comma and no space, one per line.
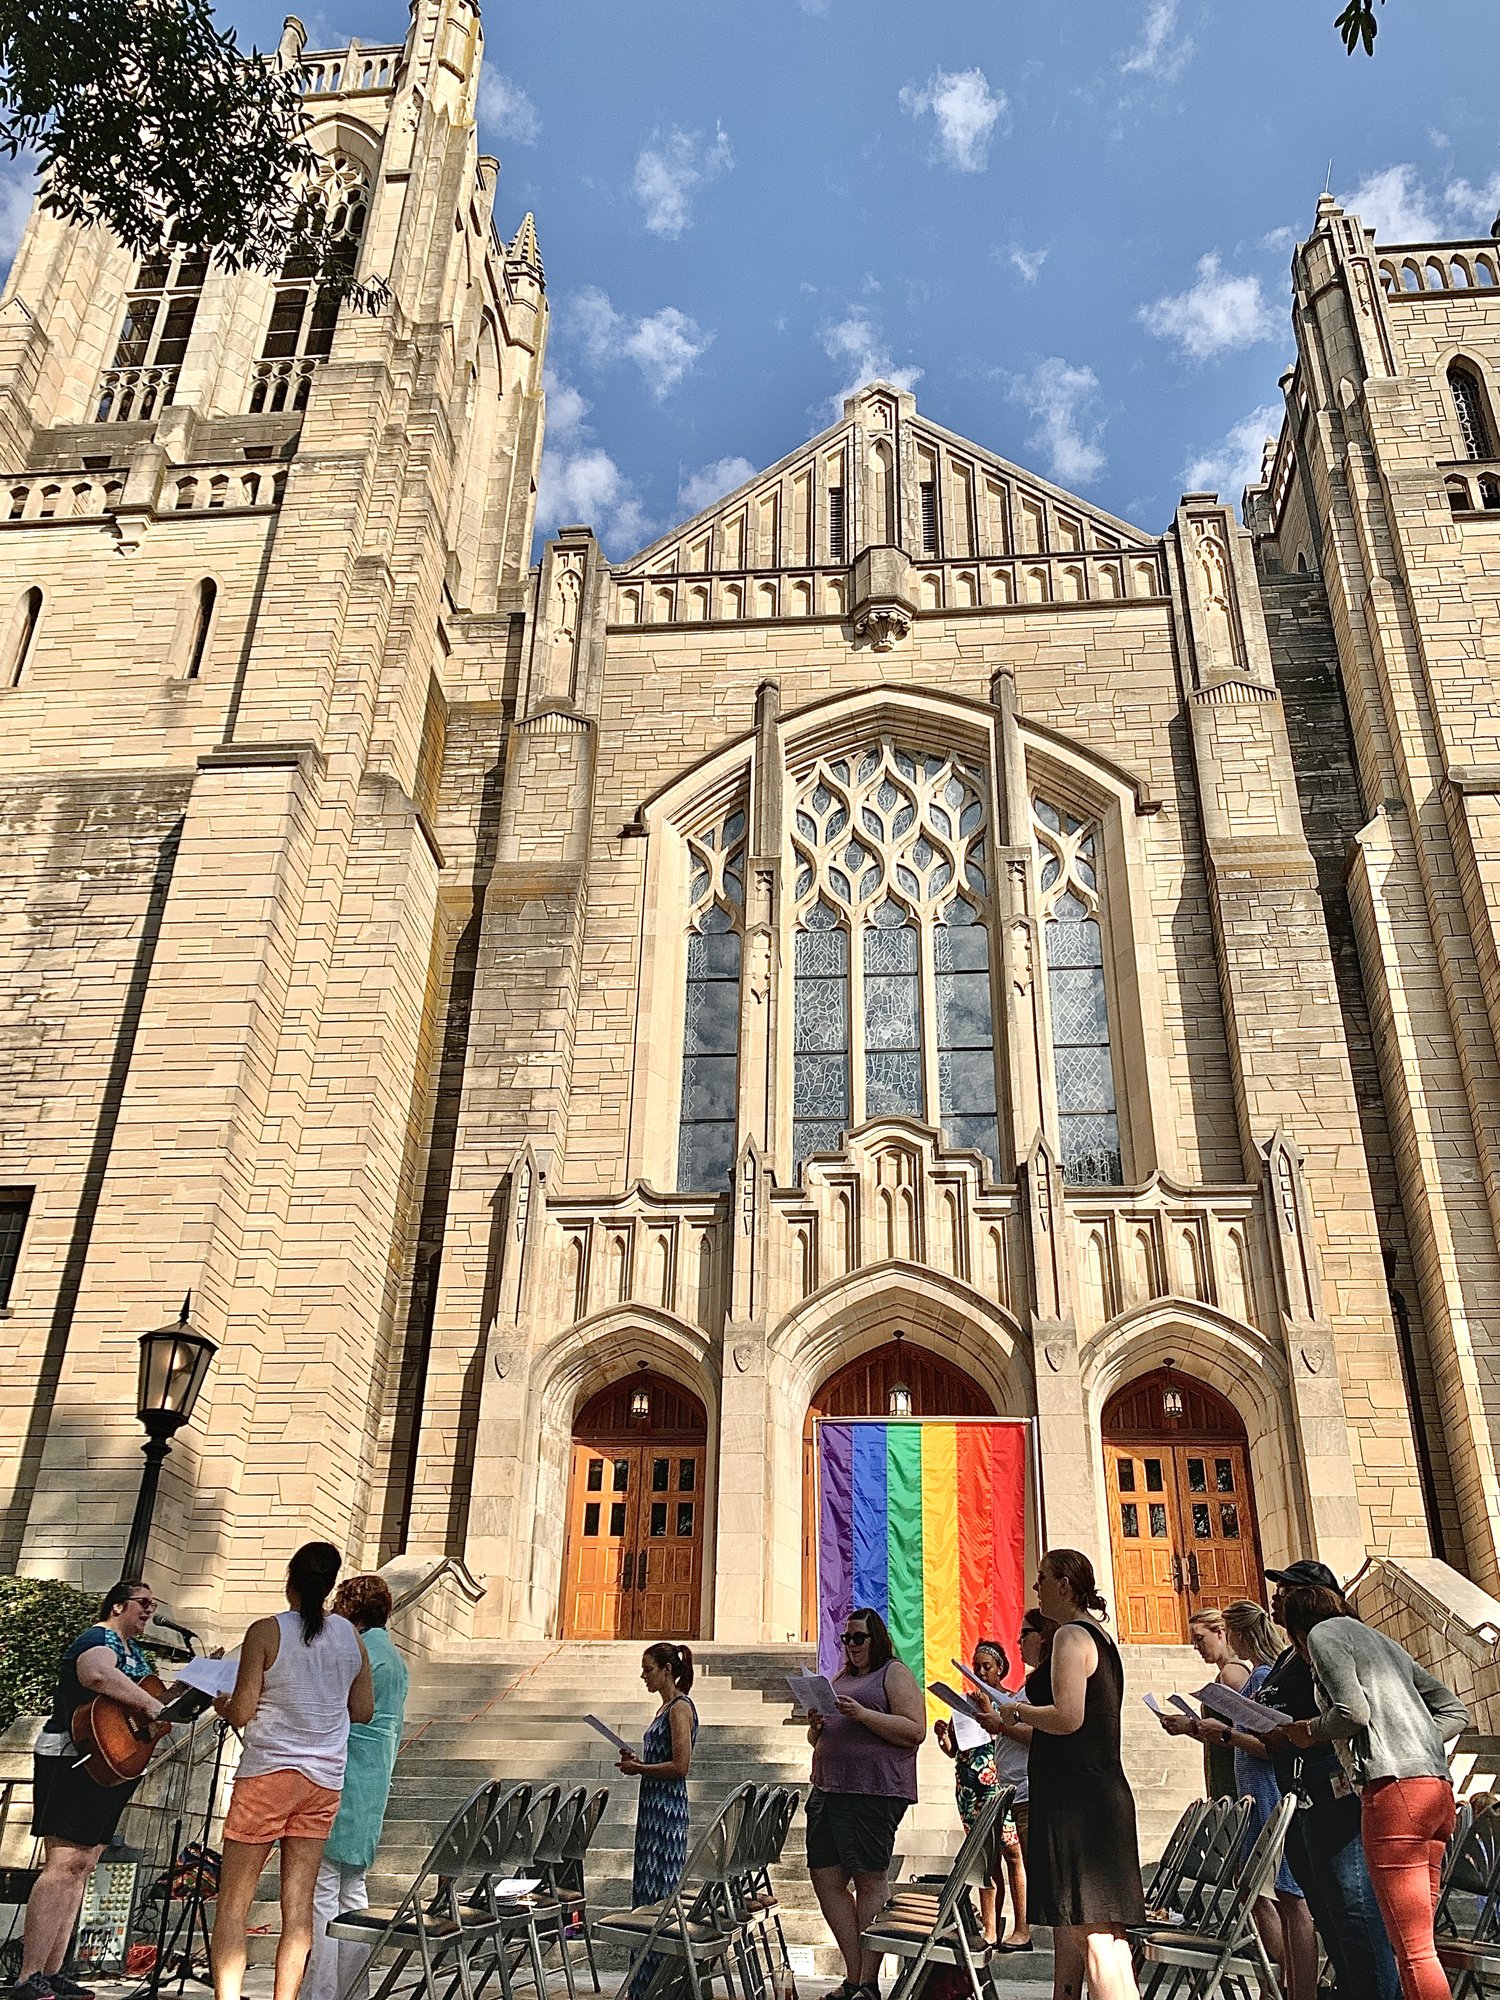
(174,1364)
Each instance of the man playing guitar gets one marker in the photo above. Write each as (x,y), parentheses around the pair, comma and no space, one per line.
(73,1816)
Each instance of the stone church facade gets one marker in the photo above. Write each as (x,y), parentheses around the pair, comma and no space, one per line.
(907,941)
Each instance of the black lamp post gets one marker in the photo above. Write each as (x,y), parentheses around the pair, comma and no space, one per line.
(174,1364)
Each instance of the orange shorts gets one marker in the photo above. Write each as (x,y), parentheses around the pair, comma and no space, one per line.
(280,1805)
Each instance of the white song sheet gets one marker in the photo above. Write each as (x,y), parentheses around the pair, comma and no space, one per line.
(813,1693)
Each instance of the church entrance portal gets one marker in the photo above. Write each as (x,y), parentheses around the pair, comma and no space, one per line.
(633,1566)
(865,1388)
(1182,1527)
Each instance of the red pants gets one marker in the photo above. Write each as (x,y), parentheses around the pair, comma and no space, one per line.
(1406,1824)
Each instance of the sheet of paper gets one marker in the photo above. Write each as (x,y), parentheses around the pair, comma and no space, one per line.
(517,1885)
(1187,1708)
(959,1703)
(968,1735)
(610,1737)
(813,1692)
(994,1693)
(1251,1716)
(209,1677)
(1153,1704)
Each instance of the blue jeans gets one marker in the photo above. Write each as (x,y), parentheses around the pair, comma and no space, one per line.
(1327,1857)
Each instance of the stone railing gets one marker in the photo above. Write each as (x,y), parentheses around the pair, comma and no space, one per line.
(32,497)
(337,72)
(1446,1623)
(1472,485)
(134,395)
(973,584)
(435,1598)
(1445,267)
(282,385)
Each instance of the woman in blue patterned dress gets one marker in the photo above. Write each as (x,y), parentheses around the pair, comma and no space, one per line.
(661,1820)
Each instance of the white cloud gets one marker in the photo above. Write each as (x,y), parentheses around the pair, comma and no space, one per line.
(1396,205)
(1279,239)
(700,489)
(504,105)
(1235,461)
(585,484)
(664,345)
(965,111)
(566,408)
(1060,397)
(855,343)
(670,169)
(1474,205)
(1217,313)
(1029,263)
(1161,52)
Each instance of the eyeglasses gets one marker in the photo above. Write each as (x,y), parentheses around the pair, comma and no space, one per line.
(854,1639)
(146,1603)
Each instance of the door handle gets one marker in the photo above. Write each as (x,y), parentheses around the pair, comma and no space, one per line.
(640,1571)
(1176,1571)
(1194,1584)
(627,1574)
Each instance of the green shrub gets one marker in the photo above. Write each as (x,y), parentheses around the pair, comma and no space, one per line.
(38,1621)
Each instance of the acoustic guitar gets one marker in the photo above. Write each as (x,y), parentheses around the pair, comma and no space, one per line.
(117,1741)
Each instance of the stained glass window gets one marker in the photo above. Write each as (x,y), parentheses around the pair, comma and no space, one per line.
(711,1030)
(892,1004)
(1468,404)
(1089,1126)
(820,1107)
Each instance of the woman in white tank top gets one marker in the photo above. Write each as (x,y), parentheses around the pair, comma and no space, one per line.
(303,1678)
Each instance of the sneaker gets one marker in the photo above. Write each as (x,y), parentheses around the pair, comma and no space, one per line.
(37,1987)
(68,1989)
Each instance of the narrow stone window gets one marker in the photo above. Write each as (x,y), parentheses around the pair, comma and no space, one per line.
(15,1207)
(711,1029)
(820,1101)
(204,599)
(929,517)
(1469,408)
(303,314)
(24,618)
(836,545)
(1089,1126)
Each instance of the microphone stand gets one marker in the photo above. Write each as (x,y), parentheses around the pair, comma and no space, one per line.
(192,1923)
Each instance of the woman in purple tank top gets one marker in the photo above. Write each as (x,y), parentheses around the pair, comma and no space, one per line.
(864,1776)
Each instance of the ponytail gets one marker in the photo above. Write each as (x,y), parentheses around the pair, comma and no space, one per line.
(1072,1569)
(678,1661)
(312,1573)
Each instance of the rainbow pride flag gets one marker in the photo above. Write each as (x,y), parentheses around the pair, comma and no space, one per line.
(925,1520)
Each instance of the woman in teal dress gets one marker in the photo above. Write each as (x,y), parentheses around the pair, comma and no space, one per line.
(661,1821)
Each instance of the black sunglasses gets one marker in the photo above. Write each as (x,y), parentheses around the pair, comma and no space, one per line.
(854,1639)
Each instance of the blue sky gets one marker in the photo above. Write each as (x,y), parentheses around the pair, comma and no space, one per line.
(1067,227)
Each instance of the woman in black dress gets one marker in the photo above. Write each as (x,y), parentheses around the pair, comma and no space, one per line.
(1083,1867)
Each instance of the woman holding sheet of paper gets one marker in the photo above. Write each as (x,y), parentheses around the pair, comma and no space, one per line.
(1285,1923)
(864,1776)
(981,1764)
(661,1820)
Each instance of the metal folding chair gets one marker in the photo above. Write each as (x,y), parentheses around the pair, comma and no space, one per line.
(1227,1948)
(566,1878)
(927,1926)
(694,1929)
(429,1922)
(1466,1923)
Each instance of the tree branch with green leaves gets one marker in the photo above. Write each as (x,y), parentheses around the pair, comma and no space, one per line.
(146,116)
(1357,25)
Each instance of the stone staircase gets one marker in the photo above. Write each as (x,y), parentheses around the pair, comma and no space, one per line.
(513,1711)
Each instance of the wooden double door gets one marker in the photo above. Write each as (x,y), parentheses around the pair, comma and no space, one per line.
(633,1562)
(1181,1513)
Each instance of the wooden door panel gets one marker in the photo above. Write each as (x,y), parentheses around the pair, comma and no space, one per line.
(669,1550)
(1143,1532)
(604,1496)
(1218,1529)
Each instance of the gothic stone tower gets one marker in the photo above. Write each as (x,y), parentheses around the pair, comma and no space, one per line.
(1382,507)
(260,566)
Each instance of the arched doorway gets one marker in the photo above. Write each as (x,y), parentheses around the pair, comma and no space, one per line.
(633,1563)
(1182,1527)
(865,1388)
